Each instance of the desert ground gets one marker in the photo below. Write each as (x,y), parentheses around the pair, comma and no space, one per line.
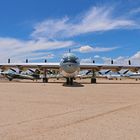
(108,110)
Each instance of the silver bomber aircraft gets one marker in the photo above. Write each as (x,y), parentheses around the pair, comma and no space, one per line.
(69,67)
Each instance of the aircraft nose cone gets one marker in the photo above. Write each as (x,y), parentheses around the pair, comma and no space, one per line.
(70,68)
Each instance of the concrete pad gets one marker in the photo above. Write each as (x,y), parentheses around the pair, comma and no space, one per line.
(108,110)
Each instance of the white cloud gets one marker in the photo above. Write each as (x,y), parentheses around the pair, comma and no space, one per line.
(136,56)
(50,28)
(87,49)
(46,33)
(119,60)
(106,60)
(135,11)
(86,60)
(50,56)
(96,56)
(90,60)
(97,19)
(18,50)
(135,59)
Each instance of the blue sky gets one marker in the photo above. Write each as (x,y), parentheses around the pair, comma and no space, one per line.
(92,29)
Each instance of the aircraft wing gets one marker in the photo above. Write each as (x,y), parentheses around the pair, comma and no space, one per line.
(83,66)
(21,66)
(113,67)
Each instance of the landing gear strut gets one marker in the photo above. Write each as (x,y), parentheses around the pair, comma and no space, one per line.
(10,79)
(45,79)
(69,81)
(93,78)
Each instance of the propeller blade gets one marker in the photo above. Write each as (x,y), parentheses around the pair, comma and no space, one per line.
(13,70)
(125,71)
(88,72)
(107,71)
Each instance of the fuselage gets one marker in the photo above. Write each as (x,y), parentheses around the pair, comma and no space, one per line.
(69,65)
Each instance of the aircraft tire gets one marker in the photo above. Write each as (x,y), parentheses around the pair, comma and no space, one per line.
(45,80)
(93,80)
(71,81)
(10,79)
(67,81)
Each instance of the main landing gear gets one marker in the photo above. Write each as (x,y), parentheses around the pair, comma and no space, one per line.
(93,78)
(45,79)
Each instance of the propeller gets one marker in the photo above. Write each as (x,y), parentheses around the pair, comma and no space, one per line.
(36,71)
(13,70)
(100,73)
(107,71)
(88,72)
(125,72)
(104,73)
(31,70)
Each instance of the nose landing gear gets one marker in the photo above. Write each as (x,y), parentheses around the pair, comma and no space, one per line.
(69,81)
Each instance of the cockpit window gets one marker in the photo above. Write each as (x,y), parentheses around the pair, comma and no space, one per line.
(70,58)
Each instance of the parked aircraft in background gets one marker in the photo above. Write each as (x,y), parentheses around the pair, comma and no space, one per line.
(114,75)
(69,67)
(135,76)
(13,74)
